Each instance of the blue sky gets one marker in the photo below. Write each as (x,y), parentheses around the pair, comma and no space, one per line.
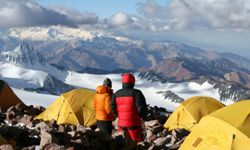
(103,8)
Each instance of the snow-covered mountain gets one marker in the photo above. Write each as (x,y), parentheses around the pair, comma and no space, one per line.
(33,80)
(100,52)
(33,98)
(77,48)
(23,54)
(59,33)
(151,90)
(26,68)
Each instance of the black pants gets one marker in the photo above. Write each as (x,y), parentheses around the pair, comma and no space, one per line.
(105,126)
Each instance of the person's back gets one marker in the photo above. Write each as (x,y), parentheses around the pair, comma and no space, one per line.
(104,115)
(130,106)
(101,103)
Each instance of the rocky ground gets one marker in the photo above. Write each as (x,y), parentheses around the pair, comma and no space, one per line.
(18,127)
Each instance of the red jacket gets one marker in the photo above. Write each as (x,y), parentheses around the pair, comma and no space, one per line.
(102,103)
(127,112)
(129,104)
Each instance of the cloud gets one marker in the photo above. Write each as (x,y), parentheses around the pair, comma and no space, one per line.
(218,14)
(120,19)
(152,10)
(174,15)
(28,13)
(78,17)
(197,14)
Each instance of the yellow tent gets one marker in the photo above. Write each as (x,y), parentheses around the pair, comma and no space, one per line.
(2,141)
(7,97)
(189,112)
(225,129)
(74,107)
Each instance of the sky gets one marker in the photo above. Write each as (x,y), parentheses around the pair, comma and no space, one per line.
(103,8)
(220,25)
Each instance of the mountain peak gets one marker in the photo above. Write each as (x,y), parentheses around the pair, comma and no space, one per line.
(23,54)
(24,48)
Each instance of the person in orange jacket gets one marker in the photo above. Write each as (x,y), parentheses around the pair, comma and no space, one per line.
(103,111)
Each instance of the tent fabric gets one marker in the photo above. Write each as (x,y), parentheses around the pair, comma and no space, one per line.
(74,107)
(189,112)
(7,97)
(224,129)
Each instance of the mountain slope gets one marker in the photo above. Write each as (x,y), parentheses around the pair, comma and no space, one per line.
(82,47)
(231,80)
(84,50)
(24,67)
(24,55)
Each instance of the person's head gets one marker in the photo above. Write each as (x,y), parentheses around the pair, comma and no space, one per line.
(128,80)
(107,82)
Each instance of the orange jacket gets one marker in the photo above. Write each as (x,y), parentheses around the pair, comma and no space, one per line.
(102,100)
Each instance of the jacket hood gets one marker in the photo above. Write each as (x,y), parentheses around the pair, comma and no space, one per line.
(103,89)
(128,78)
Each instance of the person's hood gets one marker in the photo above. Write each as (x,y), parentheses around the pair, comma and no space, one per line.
(103,89)
(128,80)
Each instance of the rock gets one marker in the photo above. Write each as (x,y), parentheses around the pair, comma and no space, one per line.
(180,133)
(81,128)
(97,130)
(177,144)
(20,106)
(52,124)
(31,111)
(61,138)
(161,141)
(152,138)
(61,128)
(46,138)
(77,141)
(71,128)
(12,108)
(10,115)
(54,146)
(29,148)
(70,148)
(117,134)
(2,117)
(72,133)
(142,145)
(174,147)
(157,128)
(130,145)
(6,147)
(151,123)
(42,126)
(152,147)
(165,132)
(149,133)
(173,140)
(26,119)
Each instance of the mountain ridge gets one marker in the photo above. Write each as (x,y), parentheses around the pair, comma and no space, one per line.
(161,61)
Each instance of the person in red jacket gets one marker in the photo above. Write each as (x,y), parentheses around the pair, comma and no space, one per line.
(130,106)
(101,102)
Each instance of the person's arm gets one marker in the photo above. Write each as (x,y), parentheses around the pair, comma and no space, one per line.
(141,104)
(113,104)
